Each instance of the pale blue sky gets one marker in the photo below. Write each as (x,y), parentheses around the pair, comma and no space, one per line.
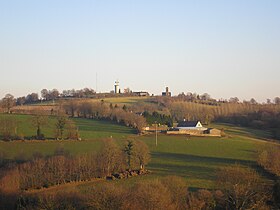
(224,48)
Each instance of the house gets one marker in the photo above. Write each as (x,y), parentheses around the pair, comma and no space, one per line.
(190,125)
(193,128)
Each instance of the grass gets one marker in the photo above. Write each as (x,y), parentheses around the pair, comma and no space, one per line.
(197,159)
(126,100)
(91,131)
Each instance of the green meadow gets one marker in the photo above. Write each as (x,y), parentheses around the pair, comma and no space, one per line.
(91,132)
(126,100)
(197,159)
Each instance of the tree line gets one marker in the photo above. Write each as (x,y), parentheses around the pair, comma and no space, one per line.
(259,116)
(103,111)
(63,128)
(63,168)
(238,188)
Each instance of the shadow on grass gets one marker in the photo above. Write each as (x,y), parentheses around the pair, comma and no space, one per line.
(198,168)
(103,126)
(245,131)
(202,159)
(192,166)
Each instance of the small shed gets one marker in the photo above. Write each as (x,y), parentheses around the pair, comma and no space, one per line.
(213,132)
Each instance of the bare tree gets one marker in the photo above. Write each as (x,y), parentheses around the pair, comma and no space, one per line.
(142,153)
(109,159)
(8,102)
(60,125)
(8,128)
(71,107)
(277,100)
(38,120)
(72,130)
(243,188)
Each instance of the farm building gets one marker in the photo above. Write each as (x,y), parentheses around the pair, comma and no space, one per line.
(194,128)
(213,132)
(190,125)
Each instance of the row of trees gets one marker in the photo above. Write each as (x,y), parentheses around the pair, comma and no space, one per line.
(55,94)
(241,188)
(62,168)
(63,128)
(155,117)
(259,116)
(207,99)
(103,111)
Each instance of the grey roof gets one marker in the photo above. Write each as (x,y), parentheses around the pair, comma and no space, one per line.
(187,123)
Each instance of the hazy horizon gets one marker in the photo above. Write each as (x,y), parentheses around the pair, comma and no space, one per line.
(224,48)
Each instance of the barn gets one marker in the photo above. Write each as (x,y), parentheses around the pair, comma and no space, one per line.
(190,125)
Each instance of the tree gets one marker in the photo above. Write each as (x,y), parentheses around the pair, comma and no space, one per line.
(107,196)
(20,101)
(269,159)
(8,127)
(8,102)
(151,194)
(54,94)
(178,190)
(39,120)
(142,153)
(205,97)
(71,107)
(233,100)
(60,125)
(253,101)
(31,98)
(277,100)
(72,130)
(128,150)
(45,94)
(243,188)
(109,159)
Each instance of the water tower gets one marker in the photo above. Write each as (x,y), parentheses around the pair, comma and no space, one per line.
(117,87)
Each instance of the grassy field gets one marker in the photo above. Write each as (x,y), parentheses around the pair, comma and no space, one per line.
(197,159)
(91,131)
(126,100)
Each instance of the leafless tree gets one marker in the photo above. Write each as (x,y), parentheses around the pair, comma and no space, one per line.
(141,153)
(243,188)
(38,121)
(8,128)
(8,102)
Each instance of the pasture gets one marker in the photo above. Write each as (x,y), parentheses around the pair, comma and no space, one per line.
(91,132)
(126,100)
(197,159)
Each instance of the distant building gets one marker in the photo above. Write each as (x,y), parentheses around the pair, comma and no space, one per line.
(166,93)
(127,90)
(117,87)
(141,93)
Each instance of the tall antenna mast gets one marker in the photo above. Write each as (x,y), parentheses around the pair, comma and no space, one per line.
(96,83)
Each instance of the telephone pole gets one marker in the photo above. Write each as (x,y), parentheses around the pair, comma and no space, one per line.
(156,135)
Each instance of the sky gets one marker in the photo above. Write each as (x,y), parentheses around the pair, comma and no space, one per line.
(224,48)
